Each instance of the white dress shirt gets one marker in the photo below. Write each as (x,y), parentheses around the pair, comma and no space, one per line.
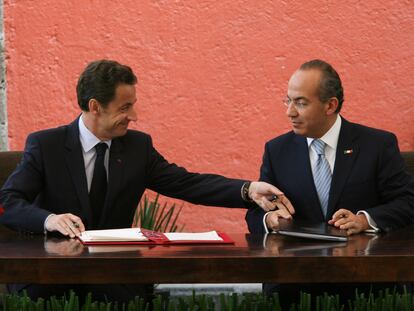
(88,141)
(330,138)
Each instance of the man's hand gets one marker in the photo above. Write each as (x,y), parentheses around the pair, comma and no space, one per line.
(272,218)
(67,224)
(64,247)
(272,243)
(346,220)
(269,198)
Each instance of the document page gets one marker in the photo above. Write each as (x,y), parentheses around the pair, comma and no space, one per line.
(127,234)
(199,236)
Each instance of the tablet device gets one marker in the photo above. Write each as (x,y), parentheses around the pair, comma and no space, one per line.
(318,231)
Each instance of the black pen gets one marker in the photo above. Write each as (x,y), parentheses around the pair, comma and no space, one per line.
(273,199)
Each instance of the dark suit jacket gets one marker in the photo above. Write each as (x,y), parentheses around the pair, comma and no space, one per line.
(51,179)
(372,177)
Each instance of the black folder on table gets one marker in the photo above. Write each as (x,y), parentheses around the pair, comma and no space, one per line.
(318,231)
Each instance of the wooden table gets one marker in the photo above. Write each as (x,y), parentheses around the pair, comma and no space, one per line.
(252,258)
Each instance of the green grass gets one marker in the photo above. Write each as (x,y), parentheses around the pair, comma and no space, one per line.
(384,301)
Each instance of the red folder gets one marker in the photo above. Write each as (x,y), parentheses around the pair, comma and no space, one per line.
(158,238)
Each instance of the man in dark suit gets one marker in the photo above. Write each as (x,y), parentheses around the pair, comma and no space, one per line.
(91,173)
(355,180)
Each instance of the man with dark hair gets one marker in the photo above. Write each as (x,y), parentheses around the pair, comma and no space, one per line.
(100,79)
(330,84)
(332,170)
(91,174)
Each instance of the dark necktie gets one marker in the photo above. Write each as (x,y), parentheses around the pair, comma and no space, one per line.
(97,193)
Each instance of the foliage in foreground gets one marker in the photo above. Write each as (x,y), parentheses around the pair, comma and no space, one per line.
(151,215)
(386,300)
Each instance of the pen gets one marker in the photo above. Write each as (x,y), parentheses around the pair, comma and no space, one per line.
(273,199)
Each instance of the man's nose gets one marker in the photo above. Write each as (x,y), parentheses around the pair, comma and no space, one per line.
(291,110)
(132,115)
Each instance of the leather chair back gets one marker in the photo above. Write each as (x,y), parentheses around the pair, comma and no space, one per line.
(8,162)
(408,157)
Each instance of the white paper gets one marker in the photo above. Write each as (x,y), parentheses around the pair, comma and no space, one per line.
(200,236)
(128,234)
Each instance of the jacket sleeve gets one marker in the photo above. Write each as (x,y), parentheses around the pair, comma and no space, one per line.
(206,189)
(395,189)
(21,190)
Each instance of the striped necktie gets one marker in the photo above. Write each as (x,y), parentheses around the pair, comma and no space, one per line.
(321,174)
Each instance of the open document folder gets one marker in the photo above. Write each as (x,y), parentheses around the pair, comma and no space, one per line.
(148,237)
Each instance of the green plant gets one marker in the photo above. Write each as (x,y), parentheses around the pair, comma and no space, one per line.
(150,215)
(384,301)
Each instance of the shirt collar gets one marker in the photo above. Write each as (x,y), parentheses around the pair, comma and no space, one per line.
(332,135)
(87,138)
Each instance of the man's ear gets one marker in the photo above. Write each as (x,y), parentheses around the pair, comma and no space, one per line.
(332,105)
(94,106)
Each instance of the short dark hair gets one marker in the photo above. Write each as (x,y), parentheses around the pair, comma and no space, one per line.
(99,81)
(330,84)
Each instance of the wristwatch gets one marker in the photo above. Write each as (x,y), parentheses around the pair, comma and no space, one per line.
(245,192)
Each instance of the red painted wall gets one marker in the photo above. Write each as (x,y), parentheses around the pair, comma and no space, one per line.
(212,74)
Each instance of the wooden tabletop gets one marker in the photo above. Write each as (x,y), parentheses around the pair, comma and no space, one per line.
(253,258)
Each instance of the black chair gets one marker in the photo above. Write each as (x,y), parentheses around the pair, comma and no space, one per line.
(408,157)
(8,162)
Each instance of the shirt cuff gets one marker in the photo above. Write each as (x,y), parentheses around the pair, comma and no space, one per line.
(371,222)
(44,224)
(264,222)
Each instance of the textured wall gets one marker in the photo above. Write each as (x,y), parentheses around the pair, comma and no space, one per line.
(3,96)
(212,74)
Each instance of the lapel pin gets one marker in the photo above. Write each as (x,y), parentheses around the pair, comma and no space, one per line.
(119,161)
(348,151)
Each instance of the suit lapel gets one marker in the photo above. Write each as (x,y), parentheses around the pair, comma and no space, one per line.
(305,176)
(116,171)
(346,154)
(75,163)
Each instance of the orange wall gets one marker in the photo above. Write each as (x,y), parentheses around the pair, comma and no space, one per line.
(211,74)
